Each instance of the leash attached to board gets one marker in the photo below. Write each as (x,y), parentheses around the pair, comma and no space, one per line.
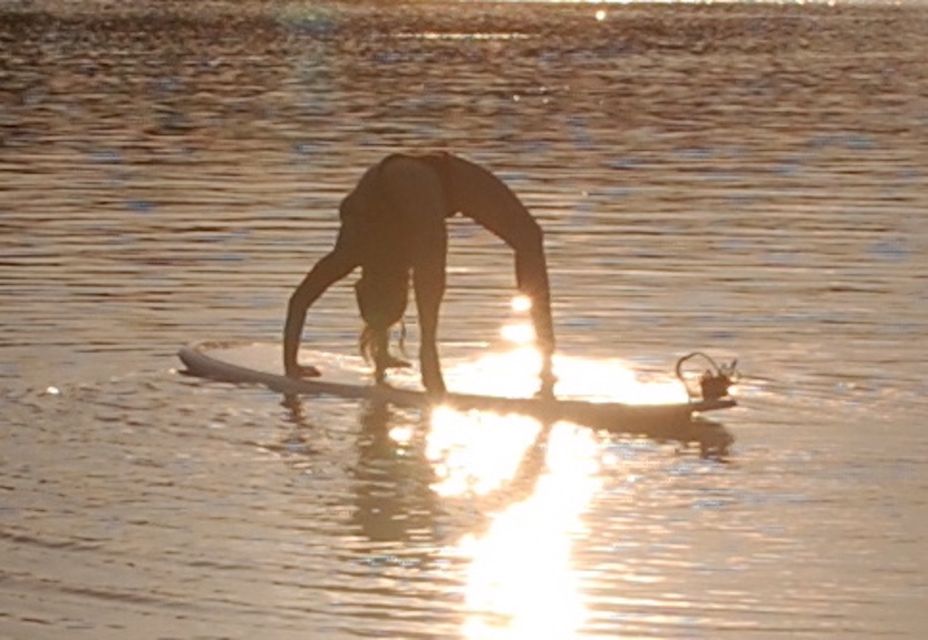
(715,381)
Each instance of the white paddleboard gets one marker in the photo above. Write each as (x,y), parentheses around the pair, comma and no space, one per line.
(345,376)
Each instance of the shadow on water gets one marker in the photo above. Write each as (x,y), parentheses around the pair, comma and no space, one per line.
(711,438)
(392,499)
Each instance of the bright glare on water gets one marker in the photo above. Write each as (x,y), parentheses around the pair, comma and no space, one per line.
(746,179)
(512,372)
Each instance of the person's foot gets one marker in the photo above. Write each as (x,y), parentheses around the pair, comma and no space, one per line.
(434,386)
(436,393)
(546,390)
(391,362)
(304,371)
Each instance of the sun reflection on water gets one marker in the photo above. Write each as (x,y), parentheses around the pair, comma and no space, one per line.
(476,452)
(521,304)
(514,373)
(518,333)
(520,580)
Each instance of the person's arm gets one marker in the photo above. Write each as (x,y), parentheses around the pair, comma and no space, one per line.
(334,266)
(484,198)
(532,281)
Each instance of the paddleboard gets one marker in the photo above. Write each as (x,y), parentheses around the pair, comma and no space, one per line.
(344,376)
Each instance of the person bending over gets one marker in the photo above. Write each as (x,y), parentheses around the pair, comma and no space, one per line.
(393,227)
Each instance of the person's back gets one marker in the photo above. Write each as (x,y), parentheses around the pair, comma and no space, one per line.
(393,226)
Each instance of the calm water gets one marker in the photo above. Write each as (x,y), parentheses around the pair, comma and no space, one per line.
(748,179)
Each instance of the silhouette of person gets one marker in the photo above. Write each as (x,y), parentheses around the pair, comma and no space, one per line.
(393,227)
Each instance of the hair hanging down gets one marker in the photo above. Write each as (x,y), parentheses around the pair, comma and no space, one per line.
(382,292)
(382,297)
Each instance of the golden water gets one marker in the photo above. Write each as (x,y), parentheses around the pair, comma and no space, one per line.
(747,179)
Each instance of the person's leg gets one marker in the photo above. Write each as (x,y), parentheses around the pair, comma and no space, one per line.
(429,283)
(380,345)
(415,193)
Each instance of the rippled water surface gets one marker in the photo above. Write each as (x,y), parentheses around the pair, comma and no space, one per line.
(746,179)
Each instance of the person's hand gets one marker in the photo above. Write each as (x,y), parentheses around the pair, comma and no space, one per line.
(303,371)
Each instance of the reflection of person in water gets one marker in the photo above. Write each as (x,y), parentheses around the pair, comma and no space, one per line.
(393,226)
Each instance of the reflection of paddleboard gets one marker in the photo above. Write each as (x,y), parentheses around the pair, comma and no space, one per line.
(344,376)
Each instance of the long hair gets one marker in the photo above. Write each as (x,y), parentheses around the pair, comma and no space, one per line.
(382,292)
(382,296)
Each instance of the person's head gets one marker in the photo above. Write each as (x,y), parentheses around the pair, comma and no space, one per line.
(382,296)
